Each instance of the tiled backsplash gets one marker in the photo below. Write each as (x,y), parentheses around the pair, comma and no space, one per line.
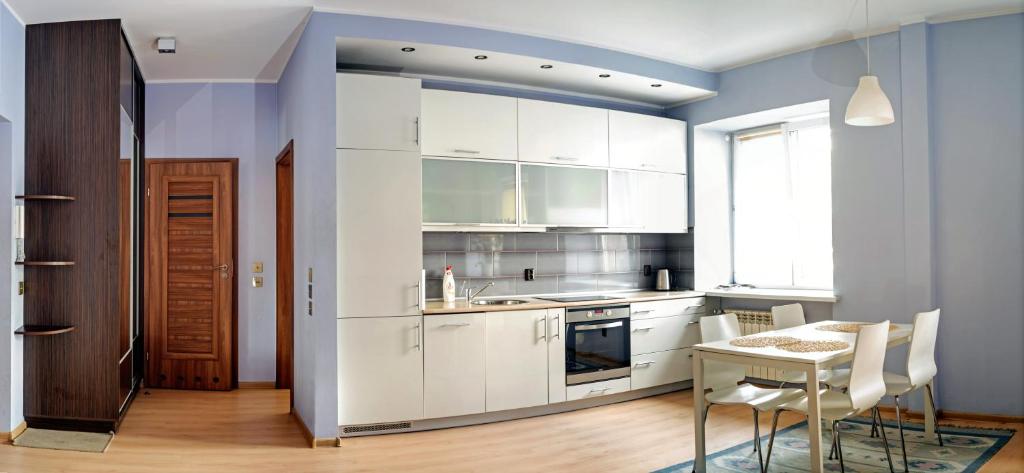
(562,262)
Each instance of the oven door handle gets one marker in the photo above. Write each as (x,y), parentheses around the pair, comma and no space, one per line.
(587,327)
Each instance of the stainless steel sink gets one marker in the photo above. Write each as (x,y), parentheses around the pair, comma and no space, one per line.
(498,302)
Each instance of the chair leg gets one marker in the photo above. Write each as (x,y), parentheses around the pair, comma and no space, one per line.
(885,441)
(757,440)
(903,441)
(707,409)
(839,445)
(874,428)
(935,412)
(832,452)
(771,439)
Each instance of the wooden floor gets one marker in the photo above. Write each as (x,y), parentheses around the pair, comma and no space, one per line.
(250,430)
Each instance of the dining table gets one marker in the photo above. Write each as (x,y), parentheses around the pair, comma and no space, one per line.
(807,362)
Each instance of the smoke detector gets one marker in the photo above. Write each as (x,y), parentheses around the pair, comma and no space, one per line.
(165,45)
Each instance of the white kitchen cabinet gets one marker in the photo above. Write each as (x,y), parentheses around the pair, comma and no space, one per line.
(563,196)
(562,134)
(517,359)
(664,333)
(664,367)
(691,307)
(646,143)
(377,112)
(380,240)
(556,355)
(600,388)
(465,125)
(457,191)
(380,370)
(647,201)
(453,365)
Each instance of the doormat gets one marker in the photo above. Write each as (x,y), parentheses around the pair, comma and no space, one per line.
(64,440)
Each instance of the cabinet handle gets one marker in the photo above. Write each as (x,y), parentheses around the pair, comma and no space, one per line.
(643,329)
(645,165)
(419,338)
(466,151)
(601,390)
(558,325)
(695,322)
(644,363)
(565,158)
(543,331)
(635,312)
(417,130)
(460,324)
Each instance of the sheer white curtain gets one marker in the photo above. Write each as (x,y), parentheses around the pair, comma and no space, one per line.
(782,206)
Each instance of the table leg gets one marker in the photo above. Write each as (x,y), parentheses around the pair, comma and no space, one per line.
(929,410)
(699,465)
(814,419)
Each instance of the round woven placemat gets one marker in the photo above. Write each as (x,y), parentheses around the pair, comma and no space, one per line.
(847,327)
(807,346)
(757,342)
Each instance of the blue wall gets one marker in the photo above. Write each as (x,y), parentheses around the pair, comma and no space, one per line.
(204,120)
(12,159)
(977,118)
(927,211)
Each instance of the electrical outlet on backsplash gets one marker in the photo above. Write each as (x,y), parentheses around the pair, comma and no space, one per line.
(561,262)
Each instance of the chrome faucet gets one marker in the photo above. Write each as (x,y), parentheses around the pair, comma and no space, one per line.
(470,295)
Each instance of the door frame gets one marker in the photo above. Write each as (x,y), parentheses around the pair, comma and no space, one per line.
(284,199)
(234,256)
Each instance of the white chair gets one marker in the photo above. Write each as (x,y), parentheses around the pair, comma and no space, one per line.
(789,316)
(866,388)
(722,378)
(921,370)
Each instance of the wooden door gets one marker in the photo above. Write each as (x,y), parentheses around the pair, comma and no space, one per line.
(285,307)
(190,274)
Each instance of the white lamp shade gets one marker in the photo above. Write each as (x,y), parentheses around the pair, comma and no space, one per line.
(869,105)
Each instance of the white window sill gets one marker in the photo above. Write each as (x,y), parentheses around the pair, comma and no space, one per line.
(803,295)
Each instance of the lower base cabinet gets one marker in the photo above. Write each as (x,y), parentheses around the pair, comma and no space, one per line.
(517,359)
(663,367)
(453,365)
(598,389)
(380,370)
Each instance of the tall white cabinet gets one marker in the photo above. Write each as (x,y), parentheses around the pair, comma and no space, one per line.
(379,179)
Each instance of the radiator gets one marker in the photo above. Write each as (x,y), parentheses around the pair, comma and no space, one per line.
(751,322)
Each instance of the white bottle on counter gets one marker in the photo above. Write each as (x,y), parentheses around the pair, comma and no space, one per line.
(448,284)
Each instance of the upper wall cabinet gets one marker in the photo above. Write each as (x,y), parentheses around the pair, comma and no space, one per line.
(460,124)
(378,112)
(561,196)
(467,192)
(647,201)
(562,134)
(646,143)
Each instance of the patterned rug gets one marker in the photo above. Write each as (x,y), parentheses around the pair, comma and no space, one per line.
(964,450)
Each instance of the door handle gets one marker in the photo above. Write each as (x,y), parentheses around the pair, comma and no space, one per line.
(225,270)
(419,338)
(558,325)
(544,328)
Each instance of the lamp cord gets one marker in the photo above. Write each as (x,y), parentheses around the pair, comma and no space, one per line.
(867,31)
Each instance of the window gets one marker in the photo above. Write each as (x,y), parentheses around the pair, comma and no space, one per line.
(782,205)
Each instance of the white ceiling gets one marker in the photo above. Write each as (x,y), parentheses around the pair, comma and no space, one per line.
(243,39)
(436,61)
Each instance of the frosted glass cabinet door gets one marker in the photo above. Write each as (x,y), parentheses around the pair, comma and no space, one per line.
(468,192)
(564,196)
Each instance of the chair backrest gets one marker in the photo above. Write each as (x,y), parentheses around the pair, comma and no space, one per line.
(867,386)
(921,357)
(718,374)
(786,316)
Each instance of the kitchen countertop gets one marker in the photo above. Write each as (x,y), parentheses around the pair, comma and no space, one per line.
(460,306)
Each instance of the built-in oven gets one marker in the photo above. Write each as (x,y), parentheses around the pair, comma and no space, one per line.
(596,344)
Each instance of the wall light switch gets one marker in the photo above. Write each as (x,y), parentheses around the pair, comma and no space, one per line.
(257,281)
(309,274)
(257,267)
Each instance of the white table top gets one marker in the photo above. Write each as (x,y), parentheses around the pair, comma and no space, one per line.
(804,332)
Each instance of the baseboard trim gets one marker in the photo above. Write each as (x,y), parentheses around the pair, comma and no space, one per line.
(256,385)
(18,430)
(954,415)
(500,416)
(310,439)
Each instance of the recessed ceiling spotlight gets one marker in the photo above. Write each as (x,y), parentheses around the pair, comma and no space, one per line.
(655,85)
(408,49)
(604,76)
(546,66)
(480,57)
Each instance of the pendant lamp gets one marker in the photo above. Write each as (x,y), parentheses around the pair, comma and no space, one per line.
(869,105)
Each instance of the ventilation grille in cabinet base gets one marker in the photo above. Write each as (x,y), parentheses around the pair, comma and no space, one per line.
(751,322)
(377,427)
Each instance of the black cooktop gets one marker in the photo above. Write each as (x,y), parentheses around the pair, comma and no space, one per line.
(579,298)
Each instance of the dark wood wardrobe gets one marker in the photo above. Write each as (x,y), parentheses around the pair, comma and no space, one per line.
(84,110)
